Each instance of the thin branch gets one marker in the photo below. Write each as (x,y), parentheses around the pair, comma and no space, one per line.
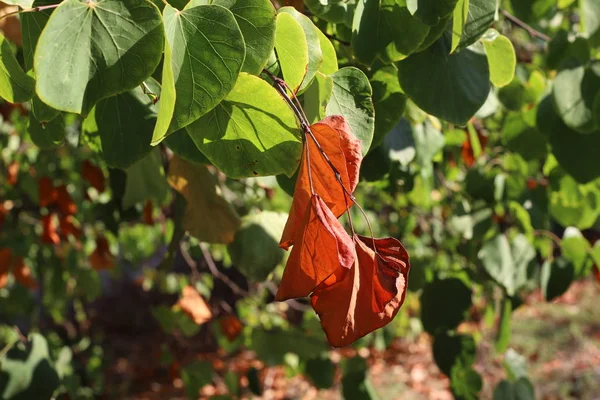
(532,32)
(337,39)
(294,304)
(218,274)
(27,10)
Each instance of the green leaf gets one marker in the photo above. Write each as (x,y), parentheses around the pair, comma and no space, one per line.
(399,144)
(573,204)
(465,382)
(182,144)
(272,345)
(436,32)
(256,19)
(46,135)
(356,384)
(146,181)
(385,27)
(20,3)
(574,151)
(428,142)
(42,112)
(522,389)
(452,87)
(431,12)
(253,132)
(195,375)
(330,61)
(564,47)
(503,334)
(507,262)
(316,97)
(576,248)
(444,304)
(590,9)
(320,371)
(557,275)
(482,14)
(292,48)
(313,41)
(352,99)
(15,85)
(573,94)
(520,134)
(27,372)
(32,24)
(530,10)
(255,248)
(389,102)
(83,54)
(124,125)
(501,57)
(205,55)
(448,349)
(459,20)
(336,11)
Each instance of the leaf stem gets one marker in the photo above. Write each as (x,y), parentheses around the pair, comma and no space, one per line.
(27,10)
(532,32)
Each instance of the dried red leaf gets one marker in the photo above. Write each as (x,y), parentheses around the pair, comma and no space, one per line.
(49,234)
(467,153)
(3,212)
(231,327)
(194,306)
(47,192)
(101,258)
(321,247)
(66,205)
(22,274)
(344,152)
(366,297)
(93,175)
(67,227)
(13,173)
(148,219)
(532,183)
(6,257)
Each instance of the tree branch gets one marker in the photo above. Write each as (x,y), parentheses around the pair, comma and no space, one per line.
(532,32)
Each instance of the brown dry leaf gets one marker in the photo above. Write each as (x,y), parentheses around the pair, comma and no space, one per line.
(194,306)
(208,216)
(101,258)
(231,327)
(148,220)
(6,256)
(321,247)
(68,227)
(47,192)
(13,173)
(49,234)
(3,212)
(94,175)
(368,296)
(65,203)
(344,151)
(22,274)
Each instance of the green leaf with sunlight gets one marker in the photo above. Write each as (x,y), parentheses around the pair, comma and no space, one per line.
(15,85)
(292,48)
(501,57)
(389,101)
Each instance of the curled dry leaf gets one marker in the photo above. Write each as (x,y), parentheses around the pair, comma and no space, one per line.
(65,203)
(208,215)
(6,257)
(47,192)
(344,152)
(22,274)
(231,327)
(67,227)
(101,258)
(49,234)
(194,306)
(355,302)
(321,246)
(93,174)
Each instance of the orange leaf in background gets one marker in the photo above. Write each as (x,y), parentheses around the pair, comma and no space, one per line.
(93,175)
(344,152)
(148,220)
(321,247)
(597,273)
(67,227)
(22,274)
(49,234)
(47,192)
(467,153)
(194,306)
(6,256)
(231,327)
(13,173)
(101,258)
(66,205)
(3,212)
(368,297)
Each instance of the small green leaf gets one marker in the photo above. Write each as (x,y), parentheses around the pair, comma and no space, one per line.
(317,96)
(459,20)
(444,304)
(389,102)
(501,57)
(556,276)
(205,54)
(89,51)
(253,132)
(576,248)
(330,61)
(481,16)
(313,41)
(15,85)
(352,99)
(292,50)
(503,335)
(146,181)
(573,204)
(452,87)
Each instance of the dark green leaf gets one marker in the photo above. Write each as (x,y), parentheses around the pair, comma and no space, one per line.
(444,304)
(182,144)
(389,102)
(47,135)
(503,335)
(195,375)
(356,384)
(321,372)
(430,12)
(146,181)
(481,16)
(15,85)
(557,276)
(521,135)
(449,349)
